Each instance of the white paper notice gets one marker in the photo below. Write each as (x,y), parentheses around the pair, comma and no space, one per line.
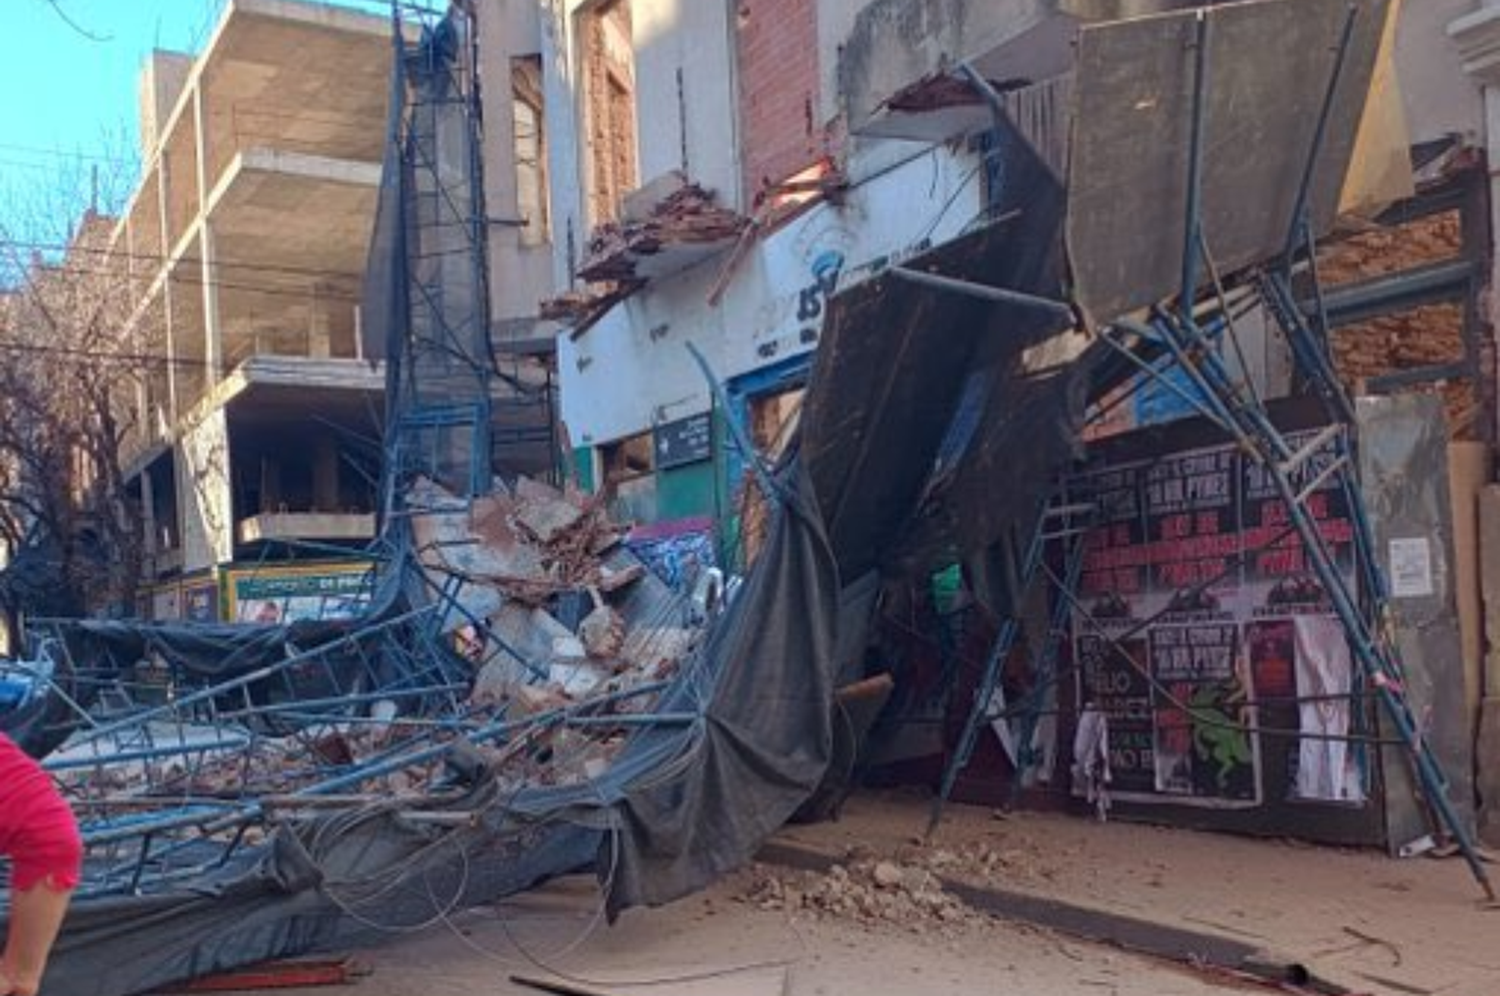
(1411,567)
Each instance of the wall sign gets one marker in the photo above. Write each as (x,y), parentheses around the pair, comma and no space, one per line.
(282,594)
(1411,567)
(685,441)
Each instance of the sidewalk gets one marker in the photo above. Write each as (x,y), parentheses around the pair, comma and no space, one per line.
(895,919)
(1355,918)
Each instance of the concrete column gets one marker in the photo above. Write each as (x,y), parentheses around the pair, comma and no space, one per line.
(1477,36)
(319,333)
(1487,746)
(166,295)
(200,141)
(213,345)
(148,518)
(326,475)
(270,485)
(213,341)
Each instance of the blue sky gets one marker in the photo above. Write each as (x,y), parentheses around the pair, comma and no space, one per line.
(70,101)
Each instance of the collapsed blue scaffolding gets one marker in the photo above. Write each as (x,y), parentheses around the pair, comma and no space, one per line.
(1180,350)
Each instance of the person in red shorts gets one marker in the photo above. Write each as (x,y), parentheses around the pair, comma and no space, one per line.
(40,837)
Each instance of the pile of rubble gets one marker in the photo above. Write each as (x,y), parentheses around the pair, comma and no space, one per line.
(865,889)
(569,638)
(529,543)
(556,614)
(934,91)
(671,212)
(979,861)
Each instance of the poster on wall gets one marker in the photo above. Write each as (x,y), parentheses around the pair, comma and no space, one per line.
(676,552)
(200,601)
(1200,623)
(195,599)
(166,603)
(293,594)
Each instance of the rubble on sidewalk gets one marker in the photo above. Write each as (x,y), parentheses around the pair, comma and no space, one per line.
(865,889)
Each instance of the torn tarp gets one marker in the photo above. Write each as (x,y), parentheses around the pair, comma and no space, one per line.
(937,417)
(733,746)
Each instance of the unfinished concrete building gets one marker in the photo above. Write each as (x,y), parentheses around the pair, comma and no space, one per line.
(246,242)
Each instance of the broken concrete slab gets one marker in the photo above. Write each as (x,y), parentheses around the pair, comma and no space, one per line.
(546,519)
(603,633)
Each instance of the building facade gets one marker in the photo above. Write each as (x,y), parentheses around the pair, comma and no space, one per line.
(708,174)
(245,245)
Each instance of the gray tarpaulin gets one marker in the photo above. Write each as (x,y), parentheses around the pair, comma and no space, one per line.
(937,418)
(335,882)
(681,804)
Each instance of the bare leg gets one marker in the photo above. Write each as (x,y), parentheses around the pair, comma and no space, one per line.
(36,916)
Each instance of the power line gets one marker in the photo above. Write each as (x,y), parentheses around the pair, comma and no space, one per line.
(271,290)
(67,19)
(108,356)
(142,359)
(65,154)
(158,258)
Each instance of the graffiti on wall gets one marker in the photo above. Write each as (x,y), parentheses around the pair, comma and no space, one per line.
(676,552)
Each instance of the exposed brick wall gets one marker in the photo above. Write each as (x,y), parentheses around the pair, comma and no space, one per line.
(778,79)
(610,88)
(1389,250)
(1423,336)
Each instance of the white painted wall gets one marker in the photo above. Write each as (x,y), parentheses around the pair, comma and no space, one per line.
(694,36)
(632,369)
(900,41)
(560,83)
(1439,97)
(520,275)
(835,21)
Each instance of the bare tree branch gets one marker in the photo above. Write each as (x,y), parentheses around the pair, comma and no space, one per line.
(71,412)
(56,6)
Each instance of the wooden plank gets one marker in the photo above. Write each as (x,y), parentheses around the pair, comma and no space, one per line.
(1468,472)
(275,975)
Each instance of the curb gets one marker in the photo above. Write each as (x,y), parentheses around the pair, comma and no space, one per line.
(1206,953)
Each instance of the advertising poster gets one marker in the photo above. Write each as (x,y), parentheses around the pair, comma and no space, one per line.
(1201,621)
(195,599)
(273,594)
(200,600)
